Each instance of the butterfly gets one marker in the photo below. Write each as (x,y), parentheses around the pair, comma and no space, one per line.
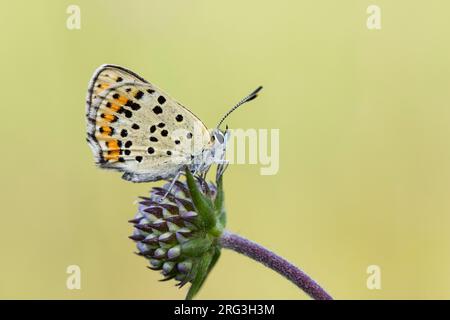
(136,128)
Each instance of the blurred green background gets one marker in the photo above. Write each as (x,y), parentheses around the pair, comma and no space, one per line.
(364,127)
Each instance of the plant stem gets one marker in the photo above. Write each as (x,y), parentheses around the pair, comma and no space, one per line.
(275,262)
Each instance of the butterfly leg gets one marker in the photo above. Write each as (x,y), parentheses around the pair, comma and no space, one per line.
(205,172)
(172,183)
(222,163)
(221,167)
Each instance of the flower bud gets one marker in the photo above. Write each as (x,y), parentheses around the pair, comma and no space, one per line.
(178,233)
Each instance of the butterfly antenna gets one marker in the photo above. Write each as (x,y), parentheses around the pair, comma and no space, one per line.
(248,98)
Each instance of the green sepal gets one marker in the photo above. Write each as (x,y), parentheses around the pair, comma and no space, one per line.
(196,247)
(219,203)
(215,258)
(204,206)
(202,268)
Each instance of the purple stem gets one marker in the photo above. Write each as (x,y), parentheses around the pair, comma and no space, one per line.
(275,262)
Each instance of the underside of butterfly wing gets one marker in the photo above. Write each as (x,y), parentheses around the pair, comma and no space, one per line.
(134,127)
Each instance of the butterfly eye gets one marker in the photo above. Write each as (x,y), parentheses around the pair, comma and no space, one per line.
(219,137)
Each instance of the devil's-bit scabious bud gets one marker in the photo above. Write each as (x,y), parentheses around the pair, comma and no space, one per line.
(179,235)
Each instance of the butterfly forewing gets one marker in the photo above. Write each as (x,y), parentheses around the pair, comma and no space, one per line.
(136,128)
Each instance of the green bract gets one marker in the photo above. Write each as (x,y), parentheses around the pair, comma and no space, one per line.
(179,234)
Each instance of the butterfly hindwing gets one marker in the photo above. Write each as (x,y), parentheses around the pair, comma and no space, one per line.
(136,128)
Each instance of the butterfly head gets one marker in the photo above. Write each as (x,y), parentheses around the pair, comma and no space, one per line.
(216,149)
(213,153)
(218,137)
(219,140)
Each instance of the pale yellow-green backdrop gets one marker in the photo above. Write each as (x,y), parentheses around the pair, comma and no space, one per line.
(364,125)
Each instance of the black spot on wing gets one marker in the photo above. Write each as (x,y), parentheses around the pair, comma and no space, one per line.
(128,113)
(133,105)
(139,95)
(161,99)
(157,110)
